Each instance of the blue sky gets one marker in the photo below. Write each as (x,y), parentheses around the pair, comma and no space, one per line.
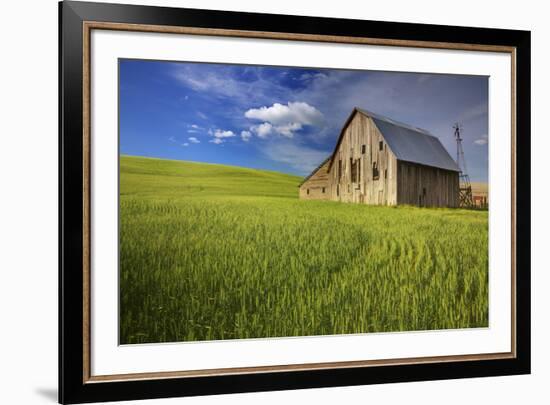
(286,119)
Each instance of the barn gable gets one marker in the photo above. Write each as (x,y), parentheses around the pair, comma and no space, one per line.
(314,171)
(316,185)
(364,166)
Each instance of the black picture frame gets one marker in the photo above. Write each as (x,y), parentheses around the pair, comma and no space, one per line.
(72,385)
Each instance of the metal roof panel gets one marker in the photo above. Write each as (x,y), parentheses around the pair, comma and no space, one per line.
(415,145)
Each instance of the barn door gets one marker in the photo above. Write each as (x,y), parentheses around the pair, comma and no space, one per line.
(422,198)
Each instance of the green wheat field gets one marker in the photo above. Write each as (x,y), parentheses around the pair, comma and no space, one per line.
(211,252)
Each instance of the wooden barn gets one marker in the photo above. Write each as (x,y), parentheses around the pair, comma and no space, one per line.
(380,161)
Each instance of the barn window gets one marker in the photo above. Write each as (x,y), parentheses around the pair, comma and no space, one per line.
(359,170)
(308,191)
(354,170)
(381,145)
(424,191)
(385,173)
(339,169)
(363,149)
(323,190)
(337,190)
(375,173)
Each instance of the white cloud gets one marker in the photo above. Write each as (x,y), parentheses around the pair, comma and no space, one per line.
(185,144)
(220,133)
(262,130)
(192,139)
(217,141)
(202,115)
(283,119)
(246,135)
(484,140)
(288,129)
(294,112)
(265,129)
(194,129)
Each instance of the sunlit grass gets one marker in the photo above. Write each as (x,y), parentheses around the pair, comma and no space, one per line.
(217,252)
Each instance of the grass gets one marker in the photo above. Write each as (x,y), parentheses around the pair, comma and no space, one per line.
(219,252)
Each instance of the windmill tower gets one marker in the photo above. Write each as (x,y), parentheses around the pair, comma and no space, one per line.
(465,194)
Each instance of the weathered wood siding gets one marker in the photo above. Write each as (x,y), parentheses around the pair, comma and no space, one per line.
(317,186)
(360,150)
(426,186)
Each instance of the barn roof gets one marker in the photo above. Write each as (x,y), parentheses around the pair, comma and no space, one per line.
(408,143)
(314,171)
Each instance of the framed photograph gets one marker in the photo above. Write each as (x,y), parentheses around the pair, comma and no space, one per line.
(254,202)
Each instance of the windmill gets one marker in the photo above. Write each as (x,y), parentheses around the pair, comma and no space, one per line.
(465,199)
